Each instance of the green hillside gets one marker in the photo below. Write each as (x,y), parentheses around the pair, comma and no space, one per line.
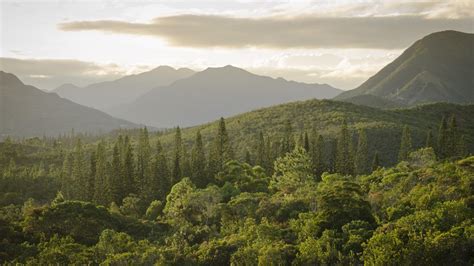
(384,127)
(437,68)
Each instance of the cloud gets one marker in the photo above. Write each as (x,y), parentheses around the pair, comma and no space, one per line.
(50,73)
(388,32)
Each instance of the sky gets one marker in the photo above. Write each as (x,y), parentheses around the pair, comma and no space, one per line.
(341,43)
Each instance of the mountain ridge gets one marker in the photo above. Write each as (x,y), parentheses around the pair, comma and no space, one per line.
(28,111)
(216,92)
(436,68)
(106,94)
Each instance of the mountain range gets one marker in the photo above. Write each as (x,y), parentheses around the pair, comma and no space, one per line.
(213,93)
(104,95)
(437,68)
(29,111)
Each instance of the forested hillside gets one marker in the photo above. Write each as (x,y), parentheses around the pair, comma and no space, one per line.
(325,117)
(122,201)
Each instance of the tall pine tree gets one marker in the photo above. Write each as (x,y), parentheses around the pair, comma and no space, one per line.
(198,163)
(405,144)
(221,151)
(177,169)
(161,172)
(442,139)
(361,156)
(101,189)
(344,158)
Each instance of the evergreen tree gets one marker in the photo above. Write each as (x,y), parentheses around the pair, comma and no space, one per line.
(442,139)
(91,176)
(101,189)
(79,173)
(452,138)
(161,172)
(344,161)
(198,163)
(143,158)
(221,151)
(114,181)
(306,144)
(317,155)
(261,154)
(288,142)
(461,149)
(376,161)
(176,173)
(186,163)
(405,145)
(66,176)
(248,157)
(429,143)
(127,169)
(361,156)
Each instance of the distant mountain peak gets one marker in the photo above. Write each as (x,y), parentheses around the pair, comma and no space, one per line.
(436,68)
(8,78)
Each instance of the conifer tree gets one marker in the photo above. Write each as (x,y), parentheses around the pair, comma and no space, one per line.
(127,169)
(317,155)
(288,142)
(361,156)
(101,189)
(376,161)
(177,158)
(344,162)
(272,150)
(429,143)
(442,139)
(248,157)
(91,176)
(221,151)
(114,182)
(405,145)
(143,158)
(306,144)
(79,173)
(452,138)
(161,172)
(461,149)
(66,176)
(186,163)
(198,163)
(260,154)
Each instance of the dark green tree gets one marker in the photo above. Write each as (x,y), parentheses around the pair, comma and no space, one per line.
(143,158)
(127,171)
(198,163)
(161,172)
(221,151)
(442,139)
(306,144)
(429,143)
(453,138)
(361,156)
(376,161)
(177,170)
(101,188)
(317,155)
(344,162)
(405,145)
(114,182)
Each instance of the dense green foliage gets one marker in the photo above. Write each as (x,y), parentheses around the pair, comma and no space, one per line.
(303,199)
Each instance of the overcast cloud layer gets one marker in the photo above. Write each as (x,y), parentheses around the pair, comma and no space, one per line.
(280,32)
